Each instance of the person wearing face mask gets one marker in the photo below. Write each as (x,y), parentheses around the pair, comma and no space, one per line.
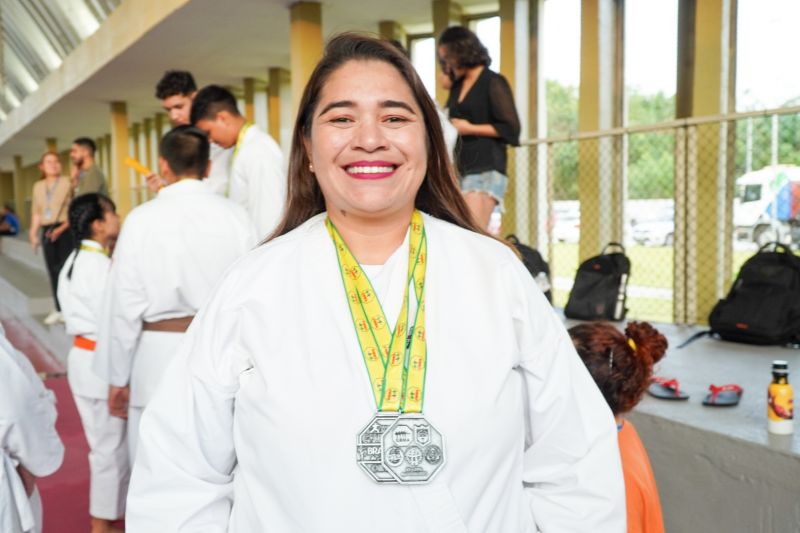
(95,225)
(482,109)
(176,89)
(338,380)
(257,177)
(170,254)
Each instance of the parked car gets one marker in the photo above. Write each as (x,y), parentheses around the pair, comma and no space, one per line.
(658,229)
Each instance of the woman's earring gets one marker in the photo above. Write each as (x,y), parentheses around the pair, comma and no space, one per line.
(310,167)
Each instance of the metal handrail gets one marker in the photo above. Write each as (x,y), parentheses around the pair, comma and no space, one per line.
(670,125)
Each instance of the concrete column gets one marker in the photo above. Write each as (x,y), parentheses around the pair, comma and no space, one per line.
(600,108)
(249,100)
(120,174)
(148,143)
(537,124)
(161,125)
(107,158)
(710,149)
(508,67)
(20,193)
(305,42)
(276,77)
(445,13)
(393,30)
(51,144)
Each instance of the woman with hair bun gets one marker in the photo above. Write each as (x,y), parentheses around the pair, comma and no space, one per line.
(94,224)
(622,365)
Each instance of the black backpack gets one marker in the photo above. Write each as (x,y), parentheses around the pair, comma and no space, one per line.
(599,291)
(763,305)
(535,264)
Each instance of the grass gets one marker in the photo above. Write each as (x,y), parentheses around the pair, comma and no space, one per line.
(651,267)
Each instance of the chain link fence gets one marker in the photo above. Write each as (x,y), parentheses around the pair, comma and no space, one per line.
(690,200)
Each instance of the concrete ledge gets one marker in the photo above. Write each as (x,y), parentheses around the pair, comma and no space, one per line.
(25,297)
(19,249)
(718,469)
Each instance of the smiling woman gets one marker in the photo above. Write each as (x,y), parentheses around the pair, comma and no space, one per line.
(341,360)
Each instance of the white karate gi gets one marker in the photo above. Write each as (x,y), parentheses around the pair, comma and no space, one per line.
(217,179)
(170,254)
(81,297)
(27,437)
(258,180)
(270,380)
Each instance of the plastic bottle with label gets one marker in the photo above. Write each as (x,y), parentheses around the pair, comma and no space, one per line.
(780,401)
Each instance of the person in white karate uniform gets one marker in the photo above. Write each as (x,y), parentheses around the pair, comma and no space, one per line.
(284,411)
(94,223)
(176,89)
(29,444)
(170,254)
(257,175)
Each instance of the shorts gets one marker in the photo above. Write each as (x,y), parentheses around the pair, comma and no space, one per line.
(490,182)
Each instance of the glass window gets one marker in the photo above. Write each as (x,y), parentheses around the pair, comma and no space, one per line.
(765,45)
(423,57)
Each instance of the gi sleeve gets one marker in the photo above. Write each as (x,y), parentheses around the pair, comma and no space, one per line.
(502,110)
(571,465)
(27,415)
(183,476)
(259,169)
(123,306)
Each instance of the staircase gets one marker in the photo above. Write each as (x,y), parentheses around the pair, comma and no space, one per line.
(25,295)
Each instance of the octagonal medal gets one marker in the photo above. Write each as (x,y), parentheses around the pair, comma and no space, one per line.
(369,448)
(413,450)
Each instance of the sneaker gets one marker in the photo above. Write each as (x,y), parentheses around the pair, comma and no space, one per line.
(53,318)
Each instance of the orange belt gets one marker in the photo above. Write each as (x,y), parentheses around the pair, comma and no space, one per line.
(84,343)
(171,325)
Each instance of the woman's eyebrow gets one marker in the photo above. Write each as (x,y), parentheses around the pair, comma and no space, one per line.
(350,104)
(334,105)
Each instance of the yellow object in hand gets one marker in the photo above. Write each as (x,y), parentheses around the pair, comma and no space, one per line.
(138,166)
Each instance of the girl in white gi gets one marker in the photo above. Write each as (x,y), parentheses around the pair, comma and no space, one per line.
(170,254)
(29,444)
(94,224)
(292,407)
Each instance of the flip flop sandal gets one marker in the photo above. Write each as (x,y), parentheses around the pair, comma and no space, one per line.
(724,396)
(666,389)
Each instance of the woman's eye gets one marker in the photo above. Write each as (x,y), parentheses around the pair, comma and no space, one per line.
(396,120)
(341,120)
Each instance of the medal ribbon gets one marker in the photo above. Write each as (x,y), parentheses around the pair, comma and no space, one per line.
(396,364)
(87,248)
(239,139)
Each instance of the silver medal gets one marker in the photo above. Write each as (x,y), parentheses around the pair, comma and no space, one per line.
(369,448)
(413,450)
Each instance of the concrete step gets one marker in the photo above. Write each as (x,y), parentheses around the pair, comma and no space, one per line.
(19,249)
(25,297)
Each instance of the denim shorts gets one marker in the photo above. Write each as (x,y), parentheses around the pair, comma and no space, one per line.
(490,182)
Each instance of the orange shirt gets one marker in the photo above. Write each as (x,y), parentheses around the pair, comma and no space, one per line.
(641,494)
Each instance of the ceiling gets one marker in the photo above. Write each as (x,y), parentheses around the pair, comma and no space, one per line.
(218,41)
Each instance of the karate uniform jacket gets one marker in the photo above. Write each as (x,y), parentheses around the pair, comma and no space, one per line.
(27,436)
(170,254)
(270,380)
(258,180)
(217,179)
(81,298)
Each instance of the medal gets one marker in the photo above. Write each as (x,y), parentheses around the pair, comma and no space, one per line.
(398,445)
(370,448)
(413,450)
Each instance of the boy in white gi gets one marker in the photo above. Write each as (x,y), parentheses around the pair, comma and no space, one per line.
(171,252)
(29,444)
(257,178)
(176,89)
(94,224)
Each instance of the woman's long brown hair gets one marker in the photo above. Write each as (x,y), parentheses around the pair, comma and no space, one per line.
(439,194)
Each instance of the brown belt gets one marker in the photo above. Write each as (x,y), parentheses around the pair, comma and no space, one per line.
(172,325)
